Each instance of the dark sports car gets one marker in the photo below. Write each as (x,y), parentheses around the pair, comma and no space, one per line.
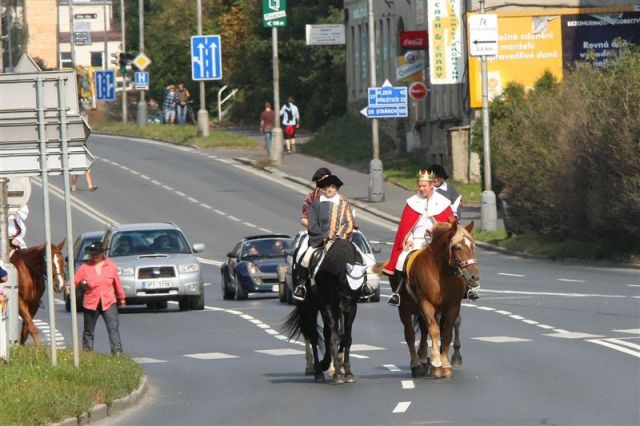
(251,266)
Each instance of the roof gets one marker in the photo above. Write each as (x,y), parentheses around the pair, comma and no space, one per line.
(148,226)
(260,237)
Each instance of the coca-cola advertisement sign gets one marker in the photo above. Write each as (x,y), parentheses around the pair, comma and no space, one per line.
(414,39)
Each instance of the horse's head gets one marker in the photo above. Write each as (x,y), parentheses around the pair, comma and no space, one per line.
(461,254)
(57,266)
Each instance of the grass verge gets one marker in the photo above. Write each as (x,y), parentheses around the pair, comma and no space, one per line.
(182,135)
(32,392)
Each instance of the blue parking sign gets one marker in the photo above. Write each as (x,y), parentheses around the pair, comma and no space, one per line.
(141,80)
(105,85)
(206,58)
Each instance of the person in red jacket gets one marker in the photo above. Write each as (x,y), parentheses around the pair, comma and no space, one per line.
(102,294)
(420,212)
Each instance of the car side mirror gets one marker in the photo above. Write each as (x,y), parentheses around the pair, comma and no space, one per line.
(287,252)
(231,255)
(198,247)
(376,249)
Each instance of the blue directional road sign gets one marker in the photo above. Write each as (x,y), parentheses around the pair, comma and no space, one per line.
(142,80)
(206,58)
(386,102)
(105,85)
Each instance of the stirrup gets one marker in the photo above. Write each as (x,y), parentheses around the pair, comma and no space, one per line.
(472,295)
(299,293)
(392,300)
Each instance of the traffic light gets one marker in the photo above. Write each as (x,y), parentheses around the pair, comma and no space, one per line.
(123,61)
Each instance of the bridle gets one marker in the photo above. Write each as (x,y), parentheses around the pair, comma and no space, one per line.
(458,265)
(57,273)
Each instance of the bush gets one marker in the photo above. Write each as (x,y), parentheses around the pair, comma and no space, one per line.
(569,153)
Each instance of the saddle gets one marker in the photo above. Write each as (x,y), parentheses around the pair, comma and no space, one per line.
(408,262)
(314,263)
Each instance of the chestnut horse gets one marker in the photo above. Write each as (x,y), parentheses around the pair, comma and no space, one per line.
(32,281)
(436,283)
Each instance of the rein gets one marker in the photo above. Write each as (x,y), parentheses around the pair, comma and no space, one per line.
(34,271)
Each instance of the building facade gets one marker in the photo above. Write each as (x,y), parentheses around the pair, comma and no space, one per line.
(437,128)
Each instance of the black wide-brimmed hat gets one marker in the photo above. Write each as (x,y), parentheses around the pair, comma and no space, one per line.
(320,173)
(439,171)
(95,247)
(329,180)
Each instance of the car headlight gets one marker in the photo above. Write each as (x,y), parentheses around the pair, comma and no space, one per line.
(253,270)
(194,267)
(126,272)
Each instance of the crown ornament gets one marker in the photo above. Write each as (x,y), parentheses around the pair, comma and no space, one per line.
(426,176)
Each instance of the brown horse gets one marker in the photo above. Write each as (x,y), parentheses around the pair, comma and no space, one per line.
(436,283)
(32,281)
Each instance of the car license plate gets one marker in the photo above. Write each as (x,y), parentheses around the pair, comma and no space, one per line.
(149,285)
(275,287)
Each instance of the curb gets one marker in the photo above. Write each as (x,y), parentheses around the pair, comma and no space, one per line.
(102,411)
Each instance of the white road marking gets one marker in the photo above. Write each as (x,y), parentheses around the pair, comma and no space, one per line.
(633,285)
(211,355)
(235,219)
(247,317)
(401,407)
(610,343)
(501,339)
(193,200)
(180,193)
(517,317)
(281,352)
(145,360)
(510,275)
(567,280)
(504,312)
(210,262)
(532,322)
(206,206)
(352,355)
(572,335)
(408,384)
(268,231)
(628,330)
(226,161)
(391,367)
(270,331)
(360,347)
(546,327)
(548,293)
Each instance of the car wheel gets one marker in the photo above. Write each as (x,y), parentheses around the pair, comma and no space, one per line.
(376,296)
(197,303)
(226,293)
(184,304)
(240,294)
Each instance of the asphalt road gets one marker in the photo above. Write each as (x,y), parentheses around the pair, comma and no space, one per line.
(548,343)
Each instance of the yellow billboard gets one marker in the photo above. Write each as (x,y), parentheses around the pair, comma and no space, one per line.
(527,47)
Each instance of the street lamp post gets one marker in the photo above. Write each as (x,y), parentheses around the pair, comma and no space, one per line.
(203,114)
(141,113)
(376,175)
(124,76)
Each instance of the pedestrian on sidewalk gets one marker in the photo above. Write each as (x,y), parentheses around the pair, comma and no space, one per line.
(290,119)
(88,175)
(182,99)
(169,104)
(267,122)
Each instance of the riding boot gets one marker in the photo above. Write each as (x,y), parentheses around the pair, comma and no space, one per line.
(397,281)
(367,291)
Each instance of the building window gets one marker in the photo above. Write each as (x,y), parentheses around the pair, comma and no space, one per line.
(65,60)
(96,60)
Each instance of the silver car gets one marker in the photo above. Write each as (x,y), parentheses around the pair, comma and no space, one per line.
(156,264)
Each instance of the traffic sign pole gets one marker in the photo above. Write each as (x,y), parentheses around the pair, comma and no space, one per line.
(376,172)
(203,114)
(141,113)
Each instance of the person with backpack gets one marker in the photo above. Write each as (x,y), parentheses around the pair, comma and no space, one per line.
(290,119)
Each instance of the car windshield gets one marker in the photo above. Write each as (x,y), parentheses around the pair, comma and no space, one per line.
(267,247)
(134,243)
(359,240)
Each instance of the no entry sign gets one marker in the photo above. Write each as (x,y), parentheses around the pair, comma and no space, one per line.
(418,90)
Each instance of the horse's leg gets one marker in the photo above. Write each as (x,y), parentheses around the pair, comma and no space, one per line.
(349,317)
(410,337)
(456,358)
(27,312)
(428,311)
(423,348)
(332,318)
(449,318)
(326,364)
(308,355)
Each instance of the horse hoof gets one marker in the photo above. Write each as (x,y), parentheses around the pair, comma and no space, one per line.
(456,360)
(319,377)
(338,379)
(436,372)
(448,372)
(419,371)
(350,378)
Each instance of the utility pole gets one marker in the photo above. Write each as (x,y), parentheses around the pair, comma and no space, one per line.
(2,36)
(203,115)
(276,146)
(141,115)
(72,42)
(124,76)
(105,54)
(376,175)
(488,209)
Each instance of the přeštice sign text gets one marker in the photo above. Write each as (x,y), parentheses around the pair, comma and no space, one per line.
(386,102)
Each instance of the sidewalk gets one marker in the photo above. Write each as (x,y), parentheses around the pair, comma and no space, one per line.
(299,168)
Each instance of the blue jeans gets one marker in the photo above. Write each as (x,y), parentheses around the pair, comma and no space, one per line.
(181,111)
(267,140)
(112,322)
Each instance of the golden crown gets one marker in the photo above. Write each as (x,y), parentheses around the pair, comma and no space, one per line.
(426,176)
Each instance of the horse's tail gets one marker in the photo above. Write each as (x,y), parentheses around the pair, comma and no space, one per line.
(302,320)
